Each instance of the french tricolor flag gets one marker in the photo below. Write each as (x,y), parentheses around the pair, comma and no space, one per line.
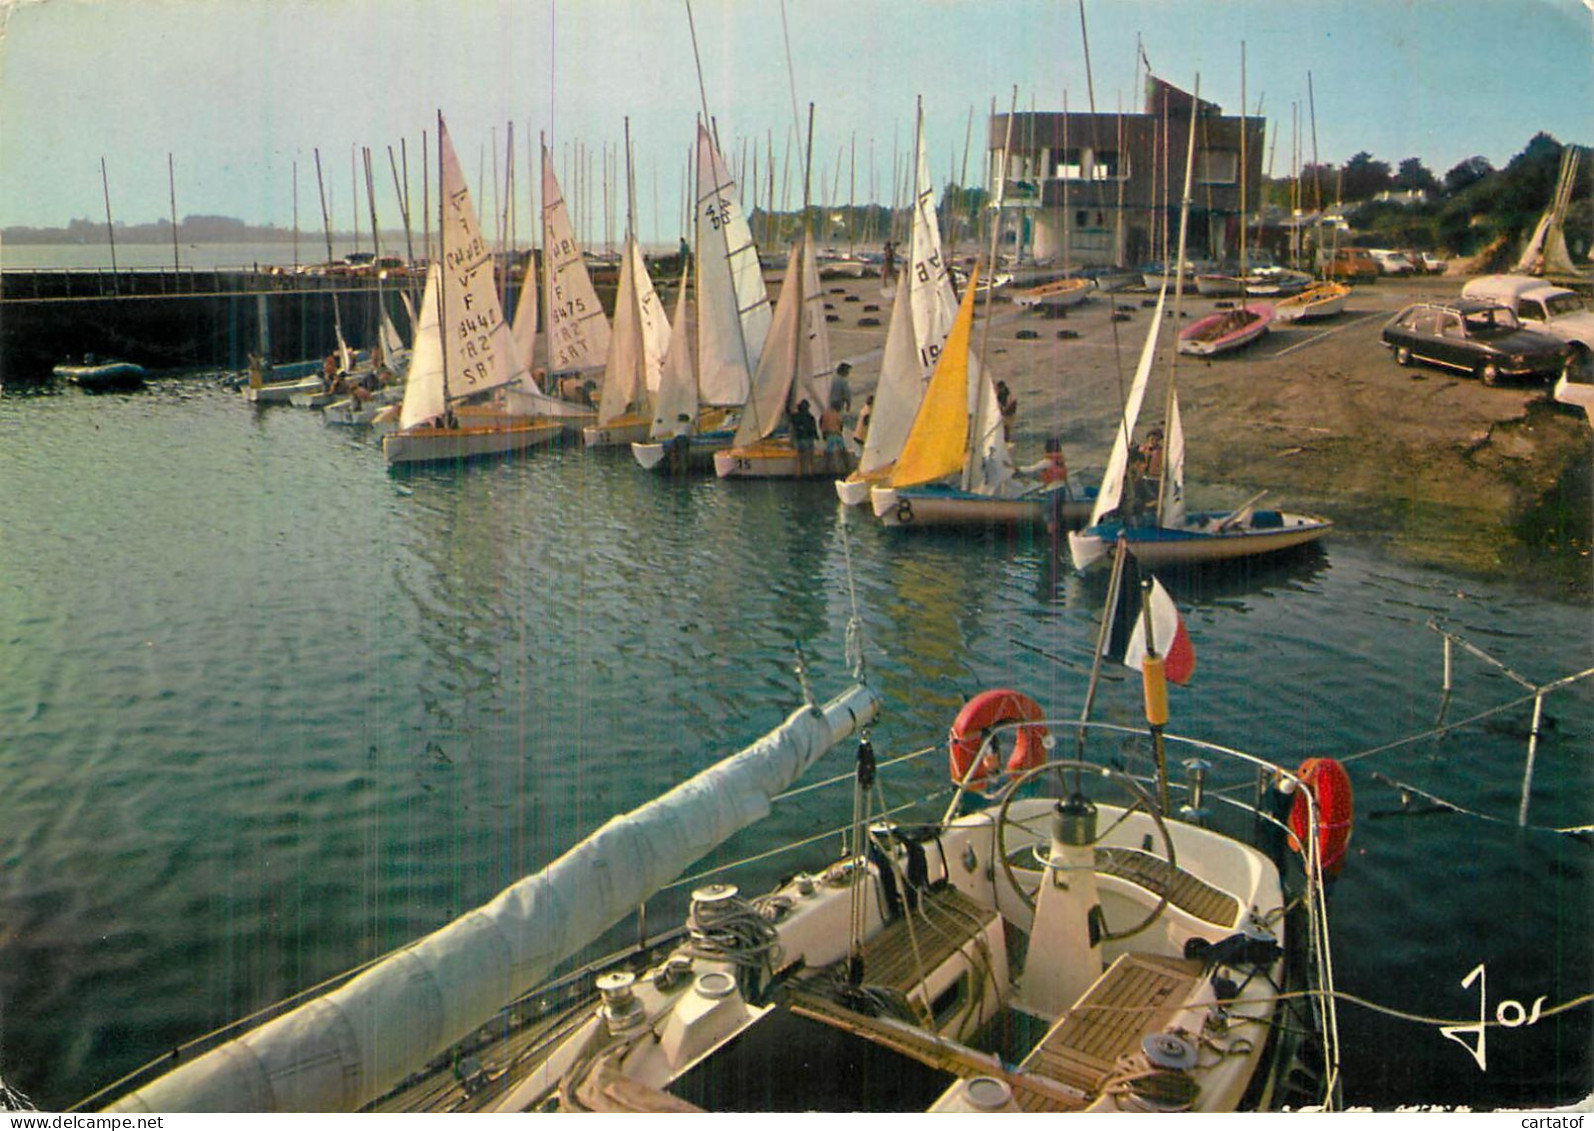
(1168,636)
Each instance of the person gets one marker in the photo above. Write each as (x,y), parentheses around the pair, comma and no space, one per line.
(841,390)
(1151,451)
(1052,468)
(1009,406)
(804,431)
(889,267)
(860,431)
(835,461)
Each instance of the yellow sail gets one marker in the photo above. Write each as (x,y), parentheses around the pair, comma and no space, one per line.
(939,437)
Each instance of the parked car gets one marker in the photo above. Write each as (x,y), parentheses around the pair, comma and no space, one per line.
(1392,262)
(1429,263)
(1475,336)
(1545,307)
(1350,264)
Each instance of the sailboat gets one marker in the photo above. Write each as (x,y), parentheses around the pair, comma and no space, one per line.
(390,363)
(954,468)
(1171,536)
(1224,331)
(733,319)
(576,328)
(921,317)
(1317,301)
(637,342)
(794,374)
(942,966)
(474,357)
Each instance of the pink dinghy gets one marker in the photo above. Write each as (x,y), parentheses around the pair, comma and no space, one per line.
(1226,330)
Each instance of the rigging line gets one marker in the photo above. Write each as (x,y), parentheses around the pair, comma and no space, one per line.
(796,120)
(830,834)
(849,775)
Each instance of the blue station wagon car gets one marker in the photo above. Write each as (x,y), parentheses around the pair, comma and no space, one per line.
(1475,336)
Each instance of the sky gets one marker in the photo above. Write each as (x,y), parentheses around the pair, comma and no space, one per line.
(240,94)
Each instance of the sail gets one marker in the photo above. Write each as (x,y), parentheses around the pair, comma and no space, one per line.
(931,297)
(478,354)
(524,327)
(939,437)
(423,388)
(624,376)
(578,332)
(388,335)
(733,315)
(675,404)
(795,364)
(1112,480)
(1173,467)
(988,468)
(348,1046)
(921,316)
(898,391)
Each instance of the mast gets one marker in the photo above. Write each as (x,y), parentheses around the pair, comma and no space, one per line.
(326,219)
(110,231)
(171,181)
(442,253)
(1178,288)
(990,288)
(1195,108)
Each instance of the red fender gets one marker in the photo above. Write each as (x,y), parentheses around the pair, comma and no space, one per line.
(991,709)
(1330,786)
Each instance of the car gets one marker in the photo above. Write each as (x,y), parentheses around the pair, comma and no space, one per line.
(1392,262)
(1350,263)
(1476,336)
(1545,307)
(1429,262)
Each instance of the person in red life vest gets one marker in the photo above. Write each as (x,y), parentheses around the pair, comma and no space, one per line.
(1052,468)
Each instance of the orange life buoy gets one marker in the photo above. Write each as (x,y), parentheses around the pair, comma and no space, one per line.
(1330,786)
(991,709)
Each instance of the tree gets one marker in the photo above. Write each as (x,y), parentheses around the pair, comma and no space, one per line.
(1364,177)
(1414,175)
(1467,173)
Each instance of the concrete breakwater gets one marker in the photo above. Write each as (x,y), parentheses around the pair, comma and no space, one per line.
(188,319)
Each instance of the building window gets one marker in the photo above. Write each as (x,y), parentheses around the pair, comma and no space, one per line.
(1218,167)
(1091,165)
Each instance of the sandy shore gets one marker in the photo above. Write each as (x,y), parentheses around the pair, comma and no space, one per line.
(1430,466)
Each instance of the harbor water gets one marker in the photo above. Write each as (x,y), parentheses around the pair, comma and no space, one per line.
(269,711)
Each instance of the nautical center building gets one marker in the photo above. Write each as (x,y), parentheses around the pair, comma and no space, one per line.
(1099,189)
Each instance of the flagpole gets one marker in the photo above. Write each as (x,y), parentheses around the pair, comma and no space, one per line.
(1154,681)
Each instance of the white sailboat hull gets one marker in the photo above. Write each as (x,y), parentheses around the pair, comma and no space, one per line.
(1202,539)
(503,437)
(631,428)
(777,459)
(948,506)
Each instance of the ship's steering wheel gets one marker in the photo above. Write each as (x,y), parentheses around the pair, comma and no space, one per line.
(1138,801)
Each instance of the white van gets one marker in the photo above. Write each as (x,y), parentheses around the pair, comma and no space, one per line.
(1554,310)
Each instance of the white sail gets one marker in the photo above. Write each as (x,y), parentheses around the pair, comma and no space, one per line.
(899,390)
(478,354)
(625,384)
(1173,467)
(392,344)
(675,405)
(988,466)
(578,332)
(423,388)
(733,314)
(524,327)
(348,1046)
(921,317)
(795,364)
(1087,550)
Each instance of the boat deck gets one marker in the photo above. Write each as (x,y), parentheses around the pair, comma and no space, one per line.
(1184,891)
(1139,994)
(948,922)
